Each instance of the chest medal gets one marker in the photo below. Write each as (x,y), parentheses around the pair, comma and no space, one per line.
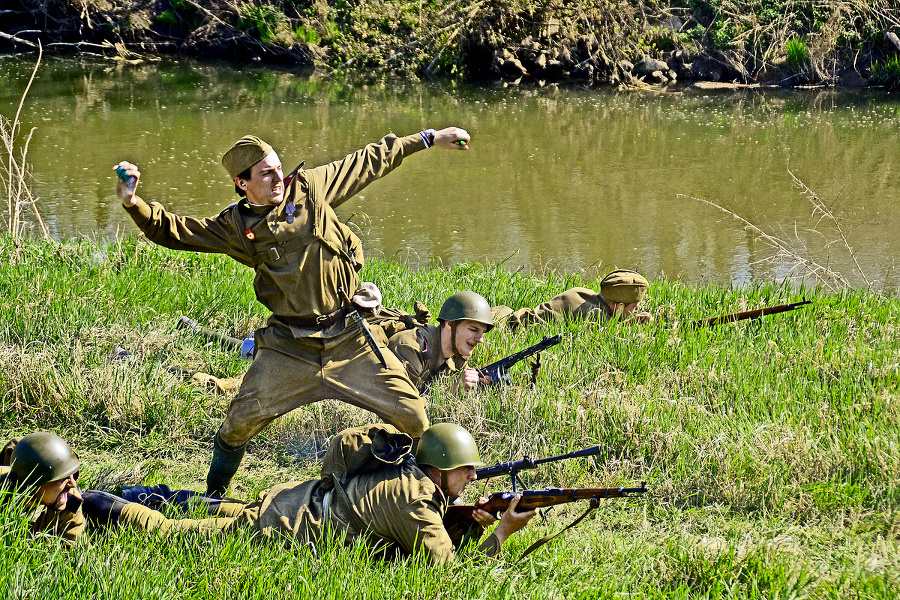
(290,209)
(249,234)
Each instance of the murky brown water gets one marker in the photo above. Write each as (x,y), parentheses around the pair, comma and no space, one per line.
(570,179)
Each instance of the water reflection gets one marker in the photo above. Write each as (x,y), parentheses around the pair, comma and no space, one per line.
(567,178)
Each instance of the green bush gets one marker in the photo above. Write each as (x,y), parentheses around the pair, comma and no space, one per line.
(261,21)
(797,54)
(887,72)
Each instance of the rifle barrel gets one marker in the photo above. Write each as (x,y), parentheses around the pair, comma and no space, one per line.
(750,314)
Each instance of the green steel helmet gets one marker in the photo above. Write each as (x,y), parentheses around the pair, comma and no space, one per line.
(42,457)
(466,305)
(447,446)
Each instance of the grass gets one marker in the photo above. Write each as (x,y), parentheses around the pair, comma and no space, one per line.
(771,449)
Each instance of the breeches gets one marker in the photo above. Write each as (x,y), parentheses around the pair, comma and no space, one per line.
(289,372)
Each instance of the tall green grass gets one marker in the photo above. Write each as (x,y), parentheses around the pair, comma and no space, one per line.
(771,448)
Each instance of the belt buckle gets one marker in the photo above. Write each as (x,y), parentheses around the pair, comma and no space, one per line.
(323,320)
(274,254)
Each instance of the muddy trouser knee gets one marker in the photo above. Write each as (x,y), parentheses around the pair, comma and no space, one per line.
(225,462)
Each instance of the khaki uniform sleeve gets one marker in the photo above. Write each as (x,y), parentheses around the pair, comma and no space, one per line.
(341,180)
(213,234)
(421,529)
(405,346)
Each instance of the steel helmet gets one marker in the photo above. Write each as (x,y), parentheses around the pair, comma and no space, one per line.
(466,305)
(42,457)
(447,446)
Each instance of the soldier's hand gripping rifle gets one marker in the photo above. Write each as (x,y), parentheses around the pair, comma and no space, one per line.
(462,527)
(499,371)
(750,314)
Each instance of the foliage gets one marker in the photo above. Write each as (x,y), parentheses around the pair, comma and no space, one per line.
(261,21)
(797,54)
(887,72)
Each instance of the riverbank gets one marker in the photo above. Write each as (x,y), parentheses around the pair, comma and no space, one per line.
(770,448)
(630,43)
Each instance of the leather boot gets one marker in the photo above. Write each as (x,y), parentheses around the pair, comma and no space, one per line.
(102,509)
(225,462)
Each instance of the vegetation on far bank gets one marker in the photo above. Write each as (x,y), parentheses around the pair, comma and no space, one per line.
(771,448)
(627,42)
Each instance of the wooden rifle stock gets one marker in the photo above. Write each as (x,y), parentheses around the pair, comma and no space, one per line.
(462,527)
(749,314)
(531,499)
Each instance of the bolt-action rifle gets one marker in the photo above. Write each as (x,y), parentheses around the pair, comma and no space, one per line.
(461,526)
(750,314)
(499,371)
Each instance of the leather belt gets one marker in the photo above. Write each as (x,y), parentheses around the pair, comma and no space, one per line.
(319,322)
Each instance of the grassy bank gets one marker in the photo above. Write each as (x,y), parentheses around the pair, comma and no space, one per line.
(596,41)
(770,448)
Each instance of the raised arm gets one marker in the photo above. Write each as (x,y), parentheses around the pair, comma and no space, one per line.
(340,180)
(214,234)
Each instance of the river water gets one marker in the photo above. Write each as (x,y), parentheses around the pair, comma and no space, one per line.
(572,179)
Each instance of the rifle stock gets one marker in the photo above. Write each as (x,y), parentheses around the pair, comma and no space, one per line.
(749,314)
(499,371)
(459,523)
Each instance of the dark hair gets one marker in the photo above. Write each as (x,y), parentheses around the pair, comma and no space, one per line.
(245,174)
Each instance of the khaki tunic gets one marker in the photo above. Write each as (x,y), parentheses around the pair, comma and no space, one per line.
(576,303)
(316,254)
(419,349)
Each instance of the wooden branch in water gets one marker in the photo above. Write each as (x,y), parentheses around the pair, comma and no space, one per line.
(17,40)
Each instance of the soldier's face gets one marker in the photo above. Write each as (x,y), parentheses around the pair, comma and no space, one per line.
(55,494)
(468,335)
(458,479)
(266,183)
(627,309)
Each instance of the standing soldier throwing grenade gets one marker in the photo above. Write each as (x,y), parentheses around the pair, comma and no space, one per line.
(287,230)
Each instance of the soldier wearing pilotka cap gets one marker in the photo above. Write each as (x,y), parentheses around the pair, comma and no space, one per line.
(620,295)
(287,231)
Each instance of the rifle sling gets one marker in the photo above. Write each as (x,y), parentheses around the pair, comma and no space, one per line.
(547,538)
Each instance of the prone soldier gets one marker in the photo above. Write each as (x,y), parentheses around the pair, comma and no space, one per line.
(620,295)
(372,487)
(42,469)
(429,351)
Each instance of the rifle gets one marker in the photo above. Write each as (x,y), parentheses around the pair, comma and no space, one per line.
(462,527)
(246,346)
(498,371)
(749,314)
(513,468)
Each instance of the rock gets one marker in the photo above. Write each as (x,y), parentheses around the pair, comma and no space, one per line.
(647,66)
(625,66)
(891,37)
(513,68)
(672,75)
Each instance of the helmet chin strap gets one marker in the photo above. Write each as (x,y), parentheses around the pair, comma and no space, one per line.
(444,487)
(456,352)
